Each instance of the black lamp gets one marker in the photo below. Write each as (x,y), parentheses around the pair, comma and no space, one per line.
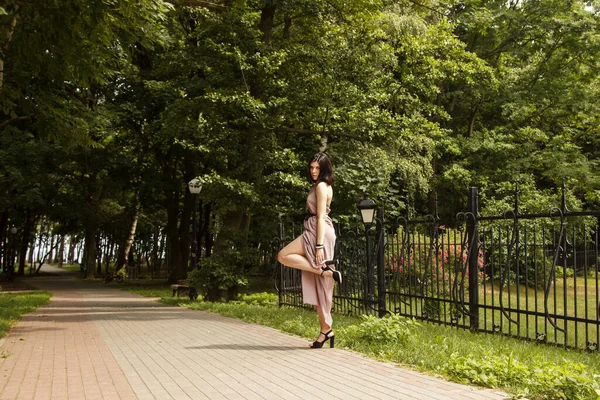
(367,211)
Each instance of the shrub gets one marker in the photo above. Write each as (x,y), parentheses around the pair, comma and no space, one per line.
(391,329)
(260,299)
(542,380)
(123,273)
(218,278)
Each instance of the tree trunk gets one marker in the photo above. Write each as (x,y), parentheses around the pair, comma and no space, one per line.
(180,238)
(25,239)
(71,253)
(207,231)
(60,255)
(78,250)
(90,249)
(130,258)
(108,259)
(41,240)
(267,16)
(3,230)
(6,37)
(472,121)
(50,258)
(43,259)
(132,229)
(287,26)
(32,242)
(173,250)
(31,250)
(153,258)
(184,230)
(98,255)
(162,251)
(324,142)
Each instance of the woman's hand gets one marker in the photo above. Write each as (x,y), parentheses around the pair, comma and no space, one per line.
(319,256)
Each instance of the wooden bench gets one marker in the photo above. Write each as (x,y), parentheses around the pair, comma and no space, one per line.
(181,287)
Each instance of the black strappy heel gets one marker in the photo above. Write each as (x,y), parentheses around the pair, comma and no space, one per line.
(317,345)
(336,275)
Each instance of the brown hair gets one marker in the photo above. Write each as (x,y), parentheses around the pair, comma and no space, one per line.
(326,173)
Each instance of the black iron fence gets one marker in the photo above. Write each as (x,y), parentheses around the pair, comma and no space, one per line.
(532,276)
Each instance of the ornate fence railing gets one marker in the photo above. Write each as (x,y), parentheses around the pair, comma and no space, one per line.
(532,276)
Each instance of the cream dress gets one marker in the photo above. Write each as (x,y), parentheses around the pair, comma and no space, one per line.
(316,289)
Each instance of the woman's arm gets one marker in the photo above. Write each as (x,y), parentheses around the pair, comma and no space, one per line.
(321,192)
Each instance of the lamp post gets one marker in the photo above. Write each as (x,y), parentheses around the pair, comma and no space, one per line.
(195,186)
(367,209)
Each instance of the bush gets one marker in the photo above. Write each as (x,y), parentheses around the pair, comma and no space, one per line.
(217,279)
(391,329)
(123,273)
(261,299)
(542,380)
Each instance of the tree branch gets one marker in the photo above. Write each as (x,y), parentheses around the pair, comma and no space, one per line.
(10,121)
(320,133)
(194,3)
(6,40)
(427,7)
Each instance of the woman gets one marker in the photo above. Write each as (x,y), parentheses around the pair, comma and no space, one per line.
(312,252)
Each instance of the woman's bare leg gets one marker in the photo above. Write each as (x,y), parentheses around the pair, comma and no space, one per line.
(293,255)
(324,326)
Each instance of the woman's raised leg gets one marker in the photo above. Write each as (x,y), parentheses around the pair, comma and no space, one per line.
(293,255)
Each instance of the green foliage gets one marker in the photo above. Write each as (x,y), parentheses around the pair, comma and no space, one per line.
(260,299)
(146,290)
(541,380)
(297,326)
(218,277)
(123,273)
(392,329)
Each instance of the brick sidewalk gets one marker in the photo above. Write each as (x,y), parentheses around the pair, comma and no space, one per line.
(96,342)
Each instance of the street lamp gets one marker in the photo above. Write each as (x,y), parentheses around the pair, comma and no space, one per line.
(367,208)
(195,186)
(367,211)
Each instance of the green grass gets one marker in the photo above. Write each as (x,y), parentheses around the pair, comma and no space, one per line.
(69,267)
(15,305)
(567,298)
(518,367)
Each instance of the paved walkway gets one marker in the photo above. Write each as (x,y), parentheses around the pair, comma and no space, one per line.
(96,342)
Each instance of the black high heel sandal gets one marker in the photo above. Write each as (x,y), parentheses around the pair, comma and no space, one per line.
(317,345)
(336,275)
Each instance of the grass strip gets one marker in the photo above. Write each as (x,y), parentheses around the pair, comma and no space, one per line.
(14,305)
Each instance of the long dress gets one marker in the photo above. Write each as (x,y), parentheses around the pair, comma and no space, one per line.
(316,289)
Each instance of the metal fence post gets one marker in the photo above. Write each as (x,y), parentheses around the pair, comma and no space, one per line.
(473,240)
(281,235)
(381,287)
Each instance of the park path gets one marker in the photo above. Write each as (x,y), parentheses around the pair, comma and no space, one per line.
(94,341)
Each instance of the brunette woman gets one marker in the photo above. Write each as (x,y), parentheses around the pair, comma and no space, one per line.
(312,252)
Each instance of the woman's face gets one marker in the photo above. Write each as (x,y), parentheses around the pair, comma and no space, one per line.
(315,170)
